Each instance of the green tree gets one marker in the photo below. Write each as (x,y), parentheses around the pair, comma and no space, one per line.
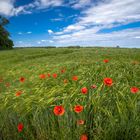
(5,41)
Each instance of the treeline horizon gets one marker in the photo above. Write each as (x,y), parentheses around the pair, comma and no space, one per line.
(77,46)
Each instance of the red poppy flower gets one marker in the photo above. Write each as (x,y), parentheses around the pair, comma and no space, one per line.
(134,90)
(106,60)
(80,122)
(78,108)
(93,86)
(18,93)
(84,90)
(108,81)
(48,74)
(20,127)
(22,79)
(63,70)
(65,81)
(42,76)
(54,75)
(84,137)
(59,110)
(74,78)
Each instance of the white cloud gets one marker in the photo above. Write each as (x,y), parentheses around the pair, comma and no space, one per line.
(20,42)
(38,42)
(112,11)
(48,3)
(109,12)
(106,14)
(29,32)
(51,41)
(73,28)
(123,38)
(57,19)
(20,33)
(21,9)
(6,7)
(137,37)
(50,31)
(43,40)
(81,3)
(17,10)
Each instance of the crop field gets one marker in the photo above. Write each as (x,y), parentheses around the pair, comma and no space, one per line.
(70,94)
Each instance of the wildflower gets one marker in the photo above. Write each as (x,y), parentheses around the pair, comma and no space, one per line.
(106,60)
(18,93)
(42,76)
(108,81)
(93,86)
(134,90)
(83,137)
(54,75)
(63,70)
(74,78)
(20,127)
(78,108)
(48,74)
(59,110)
(22,79)
(80,122)
(84,90)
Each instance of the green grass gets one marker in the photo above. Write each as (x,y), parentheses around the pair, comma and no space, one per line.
(110,113)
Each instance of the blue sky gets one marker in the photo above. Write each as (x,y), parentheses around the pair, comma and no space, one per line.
(73,22)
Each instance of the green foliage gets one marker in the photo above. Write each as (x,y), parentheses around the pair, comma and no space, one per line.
(5,42)
(110,113)
(73,46)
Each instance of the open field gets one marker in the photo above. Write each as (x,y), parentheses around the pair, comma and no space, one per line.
(35,81)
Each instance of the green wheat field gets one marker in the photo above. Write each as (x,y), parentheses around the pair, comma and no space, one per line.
(33,81)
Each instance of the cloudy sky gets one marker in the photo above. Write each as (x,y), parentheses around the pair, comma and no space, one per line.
(73,22)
